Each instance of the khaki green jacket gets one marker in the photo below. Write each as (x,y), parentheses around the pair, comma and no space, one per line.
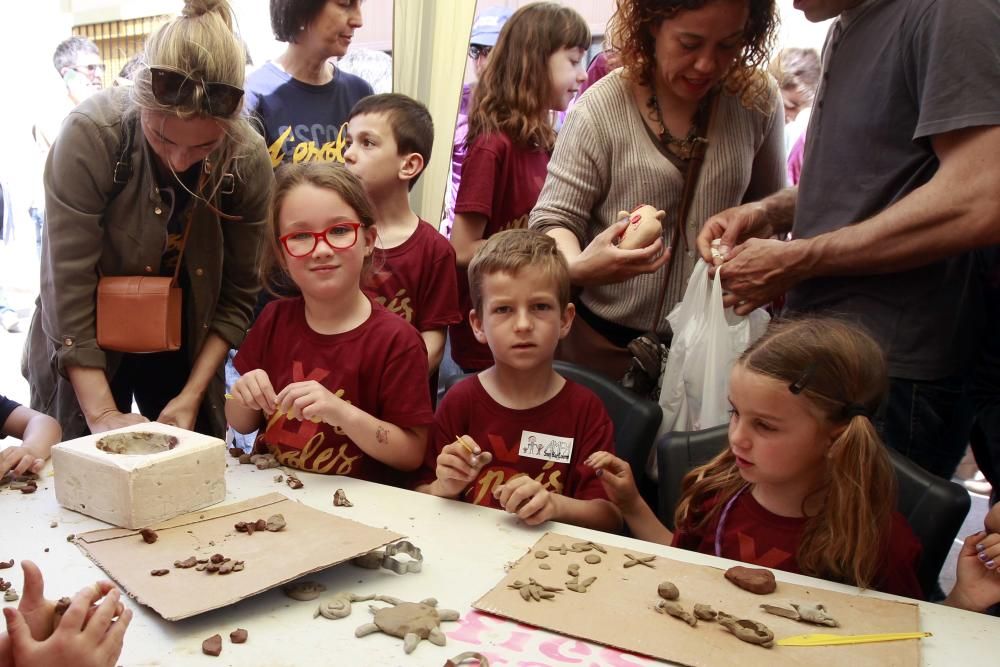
(89,228)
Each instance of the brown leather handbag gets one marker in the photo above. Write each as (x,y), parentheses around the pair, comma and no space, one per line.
(141,314)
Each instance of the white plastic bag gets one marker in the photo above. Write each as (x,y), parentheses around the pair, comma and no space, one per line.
(707,340)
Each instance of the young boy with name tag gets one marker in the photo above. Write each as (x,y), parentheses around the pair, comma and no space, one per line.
(525,430)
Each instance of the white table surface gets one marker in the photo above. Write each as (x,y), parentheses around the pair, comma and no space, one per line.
(465,549)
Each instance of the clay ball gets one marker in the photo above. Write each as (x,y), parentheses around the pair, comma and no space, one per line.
(755,580)
(668,591)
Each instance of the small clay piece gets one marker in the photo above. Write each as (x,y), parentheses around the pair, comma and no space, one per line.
(340,499)
(303,591)
(212,645)
(148,535)
(597,547)
(573,570)
(202,561)
(749,631)
(6,565)
(260,524)
(61,606)
(4,585)
(534,590)
(53,524)
(137,442)
(753,579)
(70,537)
(593,559)
(278,479)
(807,613)
(236,452)
(29,487)
(339,606)
(212,568)
(245,458)
(645,225)
(201,568)
(580,547)
(275,523)
(294,482)
(190,561)
(582,586)
(264,461)
(226,568)
(562,549)
(541,554)
(668,591)
(544,566)
(636,560)
(705,612)
(159,573)
(677,611)
(411,621)
(217,558)
(10,595)
(238,636)
(238,566)
(468,655)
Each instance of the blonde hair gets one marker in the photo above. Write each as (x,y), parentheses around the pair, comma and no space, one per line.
(328,176)
(515,90)
(202,44)
(510,251)
(842,372)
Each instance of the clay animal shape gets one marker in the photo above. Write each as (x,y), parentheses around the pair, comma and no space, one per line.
(749,631)
(807,613)
(705,612)
(677,611)
(645,225)
(339,605)
(753,579)
(410,621)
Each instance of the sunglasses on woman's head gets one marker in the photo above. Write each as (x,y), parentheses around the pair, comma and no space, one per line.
(175,88)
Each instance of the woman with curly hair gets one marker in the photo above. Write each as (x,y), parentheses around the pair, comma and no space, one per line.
(630,140)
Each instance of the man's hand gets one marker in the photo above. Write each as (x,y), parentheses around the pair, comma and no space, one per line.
(112,419)
(181,411)
(732,227)
(760,270)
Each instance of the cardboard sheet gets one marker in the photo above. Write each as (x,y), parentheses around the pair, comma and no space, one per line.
(618,610)
(312,540)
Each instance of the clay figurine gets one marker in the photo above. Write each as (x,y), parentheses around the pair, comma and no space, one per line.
(753,579)
(410,621)
(340,499)
(534,590)
(668,591)
(645,225)
(582,586)
(212,645)
(637,560)
(303,591)
(339,605)
(749,631)
(677,611)
(148,535)
(468,655)
(238,636)
(807,613)
(705,612)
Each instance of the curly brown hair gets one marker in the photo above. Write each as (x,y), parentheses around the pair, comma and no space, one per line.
(631,30)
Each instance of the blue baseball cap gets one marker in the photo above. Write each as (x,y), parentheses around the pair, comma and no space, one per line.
(486,28)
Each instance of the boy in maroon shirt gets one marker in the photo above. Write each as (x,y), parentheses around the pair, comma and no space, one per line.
(527,429)
(389,141)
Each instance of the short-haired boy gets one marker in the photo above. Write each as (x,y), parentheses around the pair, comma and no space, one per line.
(531,428)
(389,139)
(37,432)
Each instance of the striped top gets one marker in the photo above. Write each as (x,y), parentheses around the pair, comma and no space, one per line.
(606,160)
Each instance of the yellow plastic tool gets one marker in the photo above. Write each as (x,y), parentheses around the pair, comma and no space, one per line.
(833,640)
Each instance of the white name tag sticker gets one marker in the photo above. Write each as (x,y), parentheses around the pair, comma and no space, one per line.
(546,447)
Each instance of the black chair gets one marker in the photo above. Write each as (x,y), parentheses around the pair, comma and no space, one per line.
(636,419)
(934,507)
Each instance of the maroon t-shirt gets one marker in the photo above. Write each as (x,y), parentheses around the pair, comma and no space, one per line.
(418,281)
(501,181)
(549,442)
(754,535)
(379,367)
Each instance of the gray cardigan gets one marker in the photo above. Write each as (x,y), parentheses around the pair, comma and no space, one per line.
(89,227)
(606,160)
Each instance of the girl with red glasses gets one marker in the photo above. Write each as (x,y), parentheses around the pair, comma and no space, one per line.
(334,381)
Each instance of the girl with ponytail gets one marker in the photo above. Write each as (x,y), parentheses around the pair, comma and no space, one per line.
(806,485)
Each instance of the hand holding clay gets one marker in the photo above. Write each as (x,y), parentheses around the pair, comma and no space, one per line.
(81,639)
(459,464)
(645,225)
(616,477)
(603,262)
(311,401)
(254,391)
(112,419)
(529,500)
(730,228)
(20,459)
(39,613)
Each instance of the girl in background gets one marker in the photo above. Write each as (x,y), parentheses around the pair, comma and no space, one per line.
(806,484)
(537,66)
(336,383)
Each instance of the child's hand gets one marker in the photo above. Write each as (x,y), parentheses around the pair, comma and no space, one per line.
(616,477)
(80,639)
(526,498)
(310,401)
(254,391)
(20,459)
(977,585)
(39,613)
(457,467)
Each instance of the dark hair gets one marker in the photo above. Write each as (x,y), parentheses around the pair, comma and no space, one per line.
(131,66)
(326,175)
(510,251)
(411,123)
(69,50)
(513,94)
(288,17)
(632,29)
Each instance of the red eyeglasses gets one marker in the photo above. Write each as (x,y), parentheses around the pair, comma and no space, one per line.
(173,87)
(340,236)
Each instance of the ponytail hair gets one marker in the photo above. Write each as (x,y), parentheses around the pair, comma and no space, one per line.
(842,372)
